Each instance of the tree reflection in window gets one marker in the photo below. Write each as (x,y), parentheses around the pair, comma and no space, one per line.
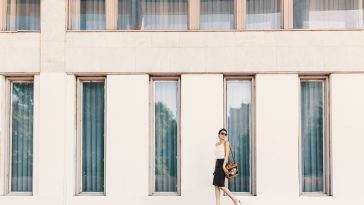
(165,136)
(22,137)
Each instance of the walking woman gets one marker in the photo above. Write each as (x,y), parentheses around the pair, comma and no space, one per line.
(222,155)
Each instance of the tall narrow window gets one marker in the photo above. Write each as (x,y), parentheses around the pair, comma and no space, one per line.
(23,15)
(165,136)
(153,15)
(88,14)
(314,137)
(92,136)
(217,14)
(238,123)
(263,14)
(327,14)
(21,136)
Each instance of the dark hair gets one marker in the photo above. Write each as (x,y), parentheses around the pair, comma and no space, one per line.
(223,129)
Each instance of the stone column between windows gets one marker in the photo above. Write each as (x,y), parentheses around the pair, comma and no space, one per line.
(361,15)
(287,16)
(53,33)
(111,13)
(240,14)
(2,15)
(193,14)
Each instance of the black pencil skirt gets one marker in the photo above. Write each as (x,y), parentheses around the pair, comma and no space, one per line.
(219,175)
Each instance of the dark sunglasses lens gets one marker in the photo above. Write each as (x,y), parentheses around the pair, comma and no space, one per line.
(223,133)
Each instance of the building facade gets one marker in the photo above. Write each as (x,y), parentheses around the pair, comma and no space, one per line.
(120,101)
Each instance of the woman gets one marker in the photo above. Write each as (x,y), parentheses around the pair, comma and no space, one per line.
(222,154)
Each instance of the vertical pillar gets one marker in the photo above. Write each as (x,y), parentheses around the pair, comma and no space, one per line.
(240,14)
(111,14)
(287,14)
(277,119)
(53,27)
(127,139)
(361,15)
(2,15)
(201,118)
(194,14)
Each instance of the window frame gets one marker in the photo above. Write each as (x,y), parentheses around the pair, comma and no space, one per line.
(152,191)
(327,136)
(78,160)
(8,139)
(252,138)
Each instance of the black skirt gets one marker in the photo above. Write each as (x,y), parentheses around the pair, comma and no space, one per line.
(219,175)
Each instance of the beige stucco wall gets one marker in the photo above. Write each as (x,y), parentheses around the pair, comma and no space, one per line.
(19,52)
(277,57)
(288,51)
(183,52)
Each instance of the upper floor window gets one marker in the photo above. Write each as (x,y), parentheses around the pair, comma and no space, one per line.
(263,14)
(217,14)
(22,15)
(214,14)
(328,14)
(152,14)
(88,15)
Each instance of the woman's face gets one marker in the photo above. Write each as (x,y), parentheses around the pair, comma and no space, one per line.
(222,135)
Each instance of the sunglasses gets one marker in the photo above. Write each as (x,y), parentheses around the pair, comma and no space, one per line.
(223,133)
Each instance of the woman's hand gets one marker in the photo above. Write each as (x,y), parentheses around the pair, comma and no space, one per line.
(225,170)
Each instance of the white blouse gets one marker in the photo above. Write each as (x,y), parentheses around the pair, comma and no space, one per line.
(219,151)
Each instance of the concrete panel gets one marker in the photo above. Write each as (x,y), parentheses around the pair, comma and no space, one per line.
(277,136)
(237,52)
(51,142)
(127,140)
(53,25)
(202,118)
(347,115)
(20,52)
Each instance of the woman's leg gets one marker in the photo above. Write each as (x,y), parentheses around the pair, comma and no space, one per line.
(217,195)
(227,191)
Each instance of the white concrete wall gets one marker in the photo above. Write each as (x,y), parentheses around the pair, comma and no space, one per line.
(277,133)
(347,136)
(127,140)
(19,52)
(201,119)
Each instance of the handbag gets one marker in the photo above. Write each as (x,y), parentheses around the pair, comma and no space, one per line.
(232,167)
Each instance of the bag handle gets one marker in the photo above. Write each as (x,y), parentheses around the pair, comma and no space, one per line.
(230,152)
